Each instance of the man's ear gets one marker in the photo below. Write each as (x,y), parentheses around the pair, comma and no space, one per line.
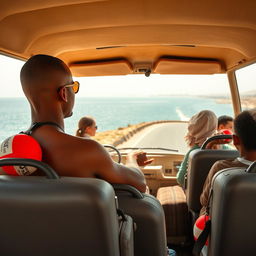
(63,94)
(236,140)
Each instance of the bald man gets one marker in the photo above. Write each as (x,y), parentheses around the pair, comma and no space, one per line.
(48,85)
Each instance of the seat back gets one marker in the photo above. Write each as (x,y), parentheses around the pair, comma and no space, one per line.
(148,214)
(233,212)
(200,163)
(61,217)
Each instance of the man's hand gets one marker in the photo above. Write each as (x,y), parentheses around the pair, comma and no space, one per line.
(140,157)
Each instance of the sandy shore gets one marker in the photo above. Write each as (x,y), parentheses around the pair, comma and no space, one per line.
(246,102)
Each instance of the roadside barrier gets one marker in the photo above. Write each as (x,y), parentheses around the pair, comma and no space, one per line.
(123,134)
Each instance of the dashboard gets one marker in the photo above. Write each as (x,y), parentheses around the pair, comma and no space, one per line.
(162,171)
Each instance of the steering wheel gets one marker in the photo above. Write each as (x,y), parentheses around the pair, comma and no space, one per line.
(114,149)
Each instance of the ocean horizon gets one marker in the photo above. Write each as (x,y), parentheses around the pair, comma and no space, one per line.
(111,113)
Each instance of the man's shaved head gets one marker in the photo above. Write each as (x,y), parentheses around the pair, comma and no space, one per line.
(43,71)
(41,77)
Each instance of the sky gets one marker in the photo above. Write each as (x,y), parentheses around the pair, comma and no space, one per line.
(133,85)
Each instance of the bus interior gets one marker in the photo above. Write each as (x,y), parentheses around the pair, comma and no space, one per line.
(102,38)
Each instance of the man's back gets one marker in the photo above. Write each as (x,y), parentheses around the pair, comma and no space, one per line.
(79,157)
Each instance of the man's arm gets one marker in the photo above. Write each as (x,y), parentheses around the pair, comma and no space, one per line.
(113,172)
(123,174)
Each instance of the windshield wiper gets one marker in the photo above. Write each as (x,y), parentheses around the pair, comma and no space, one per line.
(137,148)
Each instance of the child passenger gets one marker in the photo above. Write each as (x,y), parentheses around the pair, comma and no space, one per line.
(225,126)
(225,123)
(86,127)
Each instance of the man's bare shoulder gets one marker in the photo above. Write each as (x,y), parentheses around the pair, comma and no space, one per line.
(58,146)
(74,156)
(78,141)
(85,145)
(50,138)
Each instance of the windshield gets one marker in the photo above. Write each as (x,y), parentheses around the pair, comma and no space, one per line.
(119,101)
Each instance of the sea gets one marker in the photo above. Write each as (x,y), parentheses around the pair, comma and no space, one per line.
(111,113)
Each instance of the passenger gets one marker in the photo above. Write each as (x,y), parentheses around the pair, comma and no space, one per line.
(200,127)
(225,122)
(48,85)
(225,126)
(244,140)
(86,127)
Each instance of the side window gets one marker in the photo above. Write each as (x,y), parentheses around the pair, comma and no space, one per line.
(14,108)
(246,80)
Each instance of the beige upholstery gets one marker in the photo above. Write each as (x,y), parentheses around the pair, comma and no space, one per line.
(139,31)
(178,227)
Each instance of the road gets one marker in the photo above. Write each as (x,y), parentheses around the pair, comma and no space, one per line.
(164,135)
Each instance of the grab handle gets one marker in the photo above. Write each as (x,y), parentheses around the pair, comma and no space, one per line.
(216,137)
(127,188)
(50,173)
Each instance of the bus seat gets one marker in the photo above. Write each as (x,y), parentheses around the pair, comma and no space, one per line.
(177,217)
(233,211)
(148,214)
(58,217)
(200,163)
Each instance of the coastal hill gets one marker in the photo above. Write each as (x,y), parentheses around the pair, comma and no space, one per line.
(248,100)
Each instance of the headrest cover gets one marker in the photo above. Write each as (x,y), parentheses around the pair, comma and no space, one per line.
(20,146)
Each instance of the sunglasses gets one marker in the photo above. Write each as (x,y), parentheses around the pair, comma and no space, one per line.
(75,86)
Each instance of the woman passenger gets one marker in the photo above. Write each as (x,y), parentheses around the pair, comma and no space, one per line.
(201,126)
(86,127)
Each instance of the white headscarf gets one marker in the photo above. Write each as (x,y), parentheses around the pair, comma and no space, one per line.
(200,127)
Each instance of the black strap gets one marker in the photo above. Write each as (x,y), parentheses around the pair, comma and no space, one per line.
(121,214)
(36,125)
(200,242)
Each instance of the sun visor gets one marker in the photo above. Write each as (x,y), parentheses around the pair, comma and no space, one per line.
(187,66)
(102,68)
